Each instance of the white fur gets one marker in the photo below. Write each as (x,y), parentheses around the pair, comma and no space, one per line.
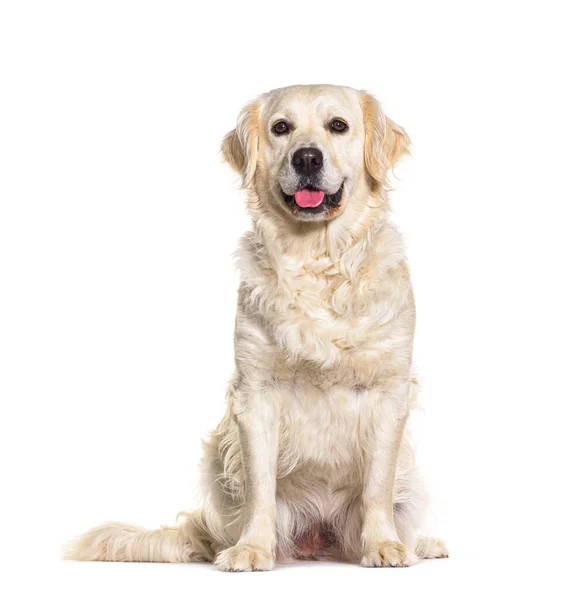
(314,438)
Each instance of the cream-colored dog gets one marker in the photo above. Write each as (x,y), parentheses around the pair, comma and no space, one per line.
(312,453)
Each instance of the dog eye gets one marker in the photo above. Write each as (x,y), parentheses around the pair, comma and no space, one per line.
(338,126)
(281,127)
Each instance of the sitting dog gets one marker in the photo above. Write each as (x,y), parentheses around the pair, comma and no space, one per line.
(312,455)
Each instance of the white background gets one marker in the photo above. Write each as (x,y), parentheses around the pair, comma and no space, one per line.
(117,226)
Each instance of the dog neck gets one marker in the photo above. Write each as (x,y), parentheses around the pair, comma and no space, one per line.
(341,245)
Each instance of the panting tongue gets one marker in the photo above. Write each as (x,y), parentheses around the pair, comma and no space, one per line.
(309,198)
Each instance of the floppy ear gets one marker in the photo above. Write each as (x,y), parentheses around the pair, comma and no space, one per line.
(239,147)
(385,141)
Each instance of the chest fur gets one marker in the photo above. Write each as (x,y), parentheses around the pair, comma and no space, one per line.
(321,429)
(309,318)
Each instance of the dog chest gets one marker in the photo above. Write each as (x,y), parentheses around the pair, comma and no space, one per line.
(320,427)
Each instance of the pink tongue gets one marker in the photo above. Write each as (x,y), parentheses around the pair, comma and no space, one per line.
(309,198)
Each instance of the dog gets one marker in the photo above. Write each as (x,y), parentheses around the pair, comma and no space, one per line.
(312,456)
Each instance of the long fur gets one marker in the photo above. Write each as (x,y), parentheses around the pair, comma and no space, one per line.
(323,384)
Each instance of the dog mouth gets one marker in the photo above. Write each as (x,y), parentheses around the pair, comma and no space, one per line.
(312,200)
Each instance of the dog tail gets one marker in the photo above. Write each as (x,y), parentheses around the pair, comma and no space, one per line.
(117,542)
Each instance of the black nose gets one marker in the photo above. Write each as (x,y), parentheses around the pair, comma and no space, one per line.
(307,160)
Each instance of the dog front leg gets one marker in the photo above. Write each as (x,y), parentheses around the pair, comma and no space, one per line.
(257,417)
(381,546)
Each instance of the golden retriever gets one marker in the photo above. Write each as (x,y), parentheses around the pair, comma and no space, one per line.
(312,455)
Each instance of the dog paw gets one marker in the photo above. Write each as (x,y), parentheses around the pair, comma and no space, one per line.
(388,554)
(431,548)
(244,557)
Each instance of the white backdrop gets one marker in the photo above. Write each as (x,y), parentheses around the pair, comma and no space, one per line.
(111,115)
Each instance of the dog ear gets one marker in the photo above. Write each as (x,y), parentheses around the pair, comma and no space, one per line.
(239,147)
(385,141)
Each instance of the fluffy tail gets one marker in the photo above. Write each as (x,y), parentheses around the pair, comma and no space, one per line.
(117,542)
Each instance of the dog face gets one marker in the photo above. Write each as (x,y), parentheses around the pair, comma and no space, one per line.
(310,149)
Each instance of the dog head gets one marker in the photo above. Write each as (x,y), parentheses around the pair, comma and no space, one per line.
(308,150)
